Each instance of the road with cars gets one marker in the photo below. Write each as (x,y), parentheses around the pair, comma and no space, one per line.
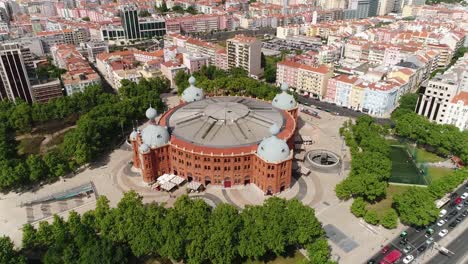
(459,246)
(419,241)
(335,109)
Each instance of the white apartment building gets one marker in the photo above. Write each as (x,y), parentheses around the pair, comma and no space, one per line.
(245,52)
(457,111)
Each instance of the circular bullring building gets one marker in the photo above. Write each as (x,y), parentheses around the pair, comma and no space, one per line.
(222,140)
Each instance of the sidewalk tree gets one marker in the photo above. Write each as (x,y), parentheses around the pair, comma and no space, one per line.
(371,217)
(389,219)
(8,254)
(416,206)
(358,208)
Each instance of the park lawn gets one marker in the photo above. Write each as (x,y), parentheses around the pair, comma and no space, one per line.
(423,156)
(296,258)
(30,145)
(56,140)
(436,173)
(383,205)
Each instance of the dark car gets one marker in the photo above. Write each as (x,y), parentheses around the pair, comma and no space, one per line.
(465,202)
(385,249)
(453,224)
(422,248)
(453,213)
(371,261)
(453,195)
(459,219)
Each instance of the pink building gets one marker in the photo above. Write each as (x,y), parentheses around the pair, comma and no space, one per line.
(331,91)
(195,61)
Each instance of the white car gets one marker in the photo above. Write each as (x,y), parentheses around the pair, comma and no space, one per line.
(408,259)
(442,212)
(464,195)
(459,207)
(443,232)
(441,222)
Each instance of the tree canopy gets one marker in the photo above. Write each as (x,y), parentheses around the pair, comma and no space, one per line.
(191,232)
(416,206)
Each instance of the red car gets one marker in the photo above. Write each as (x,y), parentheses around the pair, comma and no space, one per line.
(385,249)
(458,200)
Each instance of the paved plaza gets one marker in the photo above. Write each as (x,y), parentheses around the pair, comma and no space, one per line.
(354,240)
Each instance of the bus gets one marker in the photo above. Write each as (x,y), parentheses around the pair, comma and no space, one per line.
(391,257)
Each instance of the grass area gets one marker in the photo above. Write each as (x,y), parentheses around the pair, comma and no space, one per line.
(393,141)
(56,140)
(55,125)
(436,173)
(297,257)
(423,156)
(383,205)
(30,145)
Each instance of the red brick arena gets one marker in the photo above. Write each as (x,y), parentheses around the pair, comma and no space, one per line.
(225,141)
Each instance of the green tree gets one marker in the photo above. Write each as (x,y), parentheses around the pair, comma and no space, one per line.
(21,117)
(8,254)
(319,252)
(178,9)
(37,168)
(416,206)
(144,13)
(371,217)
(191,10)
(389,219)
(86,19)
(358,208)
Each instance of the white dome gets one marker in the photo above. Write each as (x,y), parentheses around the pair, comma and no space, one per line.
(273,149)
(143,148)
(283,100)
(133,135)
(192,93)
(151,113)
(154,135)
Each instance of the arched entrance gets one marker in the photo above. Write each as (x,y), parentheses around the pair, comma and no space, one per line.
(283,187)
(207,180)
(269,191)
(227,182)
(246,180)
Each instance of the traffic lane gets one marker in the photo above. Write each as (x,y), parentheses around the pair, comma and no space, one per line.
(459,246)
(417,240)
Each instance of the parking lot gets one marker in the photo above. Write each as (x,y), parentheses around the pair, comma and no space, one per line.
(304,44)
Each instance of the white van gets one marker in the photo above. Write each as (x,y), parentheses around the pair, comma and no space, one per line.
(442,212)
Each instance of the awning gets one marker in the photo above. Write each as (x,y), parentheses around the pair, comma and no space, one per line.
(177,180)
(168,186)
(299,147)
(194,185)
(165,178)
(306,138)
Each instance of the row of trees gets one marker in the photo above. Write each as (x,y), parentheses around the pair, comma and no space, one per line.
(103,120)
(191,231)
(370,164)
(232,82)
(444,140)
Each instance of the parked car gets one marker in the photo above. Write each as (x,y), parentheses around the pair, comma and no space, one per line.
(458,200)
(408,259)
(385,249)
(443,232)
(371,261)
(459,207)
(464,195)
(453,224)
(429,240)
(422,248)
(441,222)
(459,219)
(407,249)
(442,213)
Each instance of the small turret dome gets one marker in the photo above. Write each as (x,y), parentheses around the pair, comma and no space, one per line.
(133,135)
(143,148)
(154,135)
(273,149)
(283,100)
(151,113)
(192,93)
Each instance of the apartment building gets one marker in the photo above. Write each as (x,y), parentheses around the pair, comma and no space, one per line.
(245,52)
(304,79)
(457,111)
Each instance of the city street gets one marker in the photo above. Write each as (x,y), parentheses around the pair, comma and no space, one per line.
(459,246)
(420,238)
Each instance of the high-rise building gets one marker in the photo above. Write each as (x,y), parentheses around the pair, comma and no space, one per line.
(129,16)
(361,8)
(385,7)
(245,52)
(14,73)
(373,6)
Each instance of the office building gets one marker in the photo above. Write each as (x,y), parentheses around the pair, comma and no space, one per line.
(14,73)
(43,92)
(136,28)
(129,16)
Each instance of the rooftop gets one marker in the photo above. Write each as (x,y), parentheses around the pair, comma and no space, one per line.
(227,121)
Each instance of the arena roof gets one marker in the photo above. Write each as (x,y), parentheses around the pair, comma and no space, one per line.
(226,121)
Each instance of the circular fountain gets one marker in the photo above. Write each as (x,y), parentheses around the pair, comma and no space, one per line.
(323,160)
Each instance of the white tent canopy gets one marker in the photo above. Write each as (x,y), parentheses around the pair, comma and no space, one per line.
(194,185)
(168,186)
(165,178)
(177,180)
(305,171)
